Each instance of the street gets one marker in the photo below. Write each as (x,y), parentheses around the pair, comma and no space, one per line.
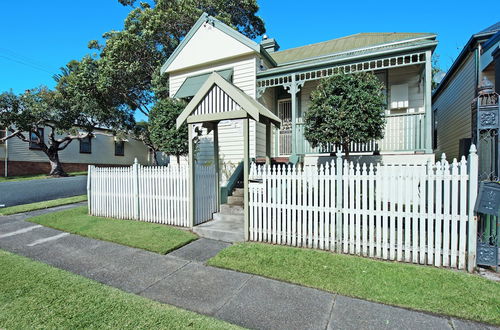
(31,191)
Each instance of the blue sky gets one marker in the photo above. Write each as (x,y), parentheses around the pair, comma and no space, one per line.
(38,37)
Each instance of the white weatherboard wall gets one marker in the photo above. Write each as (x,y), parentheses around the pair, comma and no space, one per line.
(103,151)
(453,108)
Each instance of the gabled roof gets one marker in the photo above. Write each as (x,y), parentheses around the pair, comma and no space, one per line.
(248,106)
(205,18)
(481,36)
(348,43)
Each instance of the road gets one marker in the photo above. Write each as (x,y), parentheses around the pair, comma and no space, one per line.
(31,191)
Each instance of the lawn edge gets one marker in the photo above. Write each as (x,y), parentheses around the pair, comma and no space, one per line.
(448,316)
(110,241)
(42,207)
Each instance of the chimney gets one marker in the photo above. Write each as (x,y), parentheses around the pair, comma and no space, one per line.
(269,44)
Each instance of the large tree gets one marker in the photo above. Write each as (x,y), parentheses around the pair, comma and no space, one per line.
(129,61)
(346,108)
(67,112)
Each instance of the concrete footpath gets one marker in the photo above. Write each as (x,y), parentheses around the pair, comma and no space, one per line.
(181,278)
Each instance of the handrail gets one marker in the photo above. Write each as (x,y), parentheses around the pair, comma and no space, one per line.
(227,190)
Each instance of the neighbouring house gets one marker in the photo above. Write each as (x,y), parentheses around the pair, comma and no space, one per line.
(476,67)
(21,158)
(282,81)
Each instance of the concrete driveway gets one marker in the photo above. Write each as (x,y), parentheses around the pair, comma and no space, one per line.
(31,191)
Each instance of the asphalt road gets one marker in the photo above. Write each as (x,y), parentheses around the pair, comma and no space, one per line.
(31,191)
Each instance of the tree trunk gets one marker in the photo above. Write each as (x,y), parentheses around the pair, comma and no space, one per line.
(178,159)
(345,149)
(155,157)
(56,168)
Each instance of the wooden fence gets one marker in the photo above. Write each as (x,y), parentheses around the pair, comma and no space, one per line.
(412,213)
(147,193)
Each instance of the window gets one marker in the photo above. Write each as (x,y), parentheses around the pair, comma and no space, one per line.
(34,139)
(119,148)
(86,145)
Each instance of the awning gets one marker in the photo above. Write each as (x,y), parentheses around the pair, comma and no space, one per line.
(192,85)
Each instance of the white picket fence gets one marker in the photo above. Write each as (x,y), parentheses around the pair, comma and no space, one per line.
(147,193)
(418,214)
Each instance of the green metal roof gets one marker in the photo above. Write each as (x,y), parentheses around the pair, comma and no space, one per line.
(192,85)
(352,42)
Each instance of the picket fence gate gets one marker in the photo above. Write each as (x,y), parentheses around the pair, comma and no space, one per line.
(413,213)
(149,193)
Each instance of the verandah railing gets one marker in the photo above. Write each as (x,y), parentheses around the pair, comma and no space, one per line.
(413,213)
(403,132)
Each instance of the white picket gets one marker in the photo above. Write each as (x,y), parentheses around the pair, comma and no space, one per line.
(412,213)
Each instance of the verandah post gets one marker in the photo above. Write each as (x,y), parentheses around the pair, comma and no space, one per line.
(338,203)
(191,197)
(135,175)
(472,163)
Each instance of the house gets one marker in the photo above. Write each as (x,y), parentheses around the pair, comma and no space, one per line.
(21,158)
(451,101)
(282,81)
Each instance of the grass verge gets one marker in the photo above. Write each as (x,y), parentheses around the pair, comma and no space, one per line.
(35,177)
(143,235)
(35,295)
(42,205)
(422,288)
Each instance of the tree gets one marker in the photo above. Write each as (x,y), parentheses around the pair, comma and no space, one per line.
(346,108)
(66,112)
(129,61)
(162,128)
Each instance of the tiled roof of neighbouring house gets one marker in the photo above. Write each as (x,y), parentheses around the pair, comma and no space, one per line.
(495,27)
(331,47)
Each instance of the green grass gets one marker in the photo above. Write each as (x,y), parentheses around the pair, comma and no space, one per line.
(35,177)
(35,295)
(42,205)
(143,235)
(423,288)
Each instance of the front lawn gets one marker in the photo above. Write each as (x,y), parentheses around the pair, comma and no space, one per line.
(42,205)
(423,288)
(143,235)
(35,295)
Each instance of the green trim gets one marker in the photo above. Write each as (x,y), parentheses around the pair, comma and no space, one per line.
(321,63)
(249,106)
(192,84)
(236,114)
(227,190)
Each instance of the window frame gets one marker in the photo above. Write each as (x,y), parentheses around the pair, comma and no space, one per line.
(34,145)
(123,148)
(89,143)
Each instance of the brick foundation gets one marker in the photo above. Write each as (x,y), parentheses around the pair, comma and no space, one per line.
(16,168)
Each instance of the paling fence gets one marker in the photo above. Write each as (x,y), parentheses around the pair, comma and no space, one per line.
(414,213)
(150,193)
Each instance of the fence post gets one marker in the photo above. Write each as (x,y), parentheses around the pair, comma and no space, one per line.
(89,189)
(135,176)
(338,203)
(473,187)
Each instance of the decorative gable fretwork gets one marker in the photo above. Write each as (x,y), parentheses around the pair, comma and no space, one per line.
(216,101)
(314,74)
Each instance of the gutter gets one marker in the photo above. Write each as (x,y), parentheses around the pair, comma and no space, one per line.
(294,68)
(469,47)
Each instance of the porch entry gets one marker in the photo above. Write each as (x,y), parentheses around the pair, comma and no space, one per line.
(215,101)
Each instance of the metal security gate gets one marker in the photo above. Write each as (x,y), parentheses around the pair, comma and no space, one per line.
(285,132)
(205,192)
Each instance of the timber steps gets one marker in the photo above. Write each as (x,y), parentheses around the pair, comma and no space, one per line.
(227,224)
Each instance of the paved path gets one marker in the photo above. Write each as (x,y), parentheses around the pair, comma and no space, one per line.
(38,190)
(182,279)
